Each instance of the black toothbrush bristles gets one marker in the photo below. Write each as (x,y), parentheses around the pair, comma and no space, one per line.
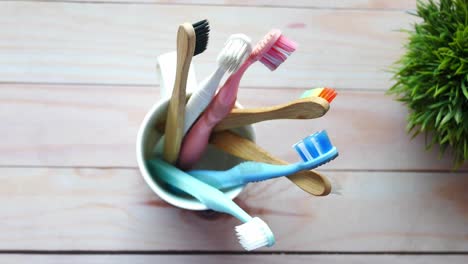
(202,30)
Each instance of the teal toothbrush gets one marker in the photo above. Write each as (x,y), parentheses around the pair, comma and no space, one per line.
(253,234)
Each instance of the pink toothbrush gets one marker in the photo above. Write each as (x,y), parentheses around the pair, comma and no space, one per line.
(272,50)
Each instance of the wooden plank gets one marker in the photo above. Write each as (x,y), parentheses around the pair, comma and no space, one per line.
(113,209)
(347,4)
(118,43)
(96,126)
(215,259)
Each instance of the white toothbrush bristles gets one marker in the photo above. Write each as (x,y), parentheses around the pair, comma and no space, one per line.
(235,52)
(255,234)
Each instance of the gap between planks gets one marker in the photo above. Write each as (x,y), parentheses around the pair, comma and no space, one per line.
(442,171)
(251,258)
(157,87)
(222,253)
(374,5)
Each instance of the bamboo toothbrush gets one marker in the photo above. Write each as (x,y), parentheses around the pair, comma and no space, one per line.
(235,51)
(191,41)
(309,106)
(272,51)
(309,181)
(304,108)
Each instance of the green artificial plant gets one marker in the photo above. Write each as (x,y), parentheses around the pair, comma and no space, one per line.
(432,76)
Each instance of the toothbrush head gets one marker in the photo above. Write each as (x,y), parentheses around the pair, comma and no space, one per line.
(316,147)
(236,50)
(273,49)
(254,234)
(326,93)
(202,30)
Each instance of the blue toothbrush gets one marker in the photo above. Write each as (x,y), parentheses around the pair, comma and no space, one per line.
(253,234)
(314,150)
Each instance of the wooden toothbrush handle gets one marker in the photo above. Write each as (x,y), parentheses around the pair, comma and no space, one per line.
(309,181)
(305,108)
(174,130)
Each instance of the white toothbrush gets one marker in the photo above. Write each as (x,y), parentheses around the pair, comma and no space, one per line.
(236,50)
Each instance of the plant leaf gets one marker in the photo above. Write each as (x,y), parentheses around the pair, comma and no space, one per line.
(464,89)
(446,118)
(458,116)
(438,118)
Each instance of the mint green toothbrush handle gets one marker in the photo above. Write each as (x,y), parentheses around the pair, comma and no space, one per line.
(208,195)
(244,173)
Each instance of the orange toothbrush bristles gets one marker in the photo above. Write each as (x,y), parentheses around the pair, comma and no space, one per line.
(328,94)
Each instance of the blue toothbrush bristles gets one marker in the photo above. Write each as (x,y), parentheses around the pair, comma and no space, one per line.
(302,150)
(313,146)
(298,147)
(324,141)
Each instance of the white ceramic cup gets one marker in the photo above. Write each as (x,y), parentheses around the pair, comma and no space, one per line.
(214,159)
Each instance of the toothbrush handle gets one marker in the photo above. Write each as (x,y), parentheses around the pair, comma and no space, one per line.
(196,140)
(194,143)
(206,194)
(309,181)
(176,108)
(244,173)
(201,98)
(304,108)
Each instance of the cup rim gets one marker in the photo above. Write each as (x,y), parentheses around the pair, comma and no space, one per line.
(154,186)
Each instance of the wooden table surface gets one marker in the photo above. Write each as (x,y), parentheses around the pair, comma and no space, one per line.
(77,77)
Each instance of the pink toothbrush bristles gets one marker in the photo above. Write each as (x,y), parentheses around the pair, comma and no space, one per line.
(278,53)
